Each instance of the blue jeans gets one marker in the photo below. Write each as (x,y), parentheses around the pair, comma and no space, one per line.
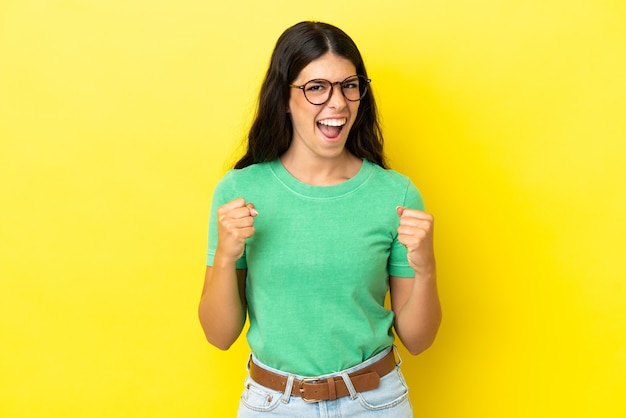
(390,399)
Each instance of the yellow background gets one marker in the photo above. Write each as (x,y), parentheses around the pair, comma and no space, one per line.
(117,118)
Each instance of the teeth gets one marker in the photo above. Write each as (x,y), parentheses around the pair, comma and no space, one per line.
(333,122)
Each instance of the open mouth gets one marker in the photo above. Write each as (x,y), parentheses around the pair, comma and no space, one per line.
(331,128)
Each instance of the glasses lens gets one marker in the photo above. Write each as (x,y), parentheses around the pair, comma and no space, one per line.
(354,88)
(317,91)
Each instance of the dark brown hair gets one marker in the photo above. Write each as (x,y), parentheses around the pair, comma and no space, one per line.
(271,132)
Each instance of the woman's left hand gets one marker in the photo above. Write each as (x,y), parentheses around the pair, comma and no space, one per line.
(416,234)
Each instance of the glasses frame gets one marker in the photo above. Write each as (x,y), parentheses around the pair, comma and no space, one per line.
(332,88)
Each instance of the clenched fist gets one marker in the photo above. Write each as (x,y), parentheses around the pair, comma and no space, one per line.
(416,234)
(235,222)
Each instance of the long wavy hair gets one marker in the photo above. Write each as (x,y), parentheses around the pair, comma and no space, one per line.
(272,131)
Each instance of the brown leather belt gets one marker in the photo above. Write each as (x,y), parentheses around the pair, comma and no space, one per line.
(315,390)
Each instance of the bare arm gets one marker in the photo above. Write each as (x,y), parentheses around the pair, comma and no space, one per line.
(416,302)
(417,310)
(222,309)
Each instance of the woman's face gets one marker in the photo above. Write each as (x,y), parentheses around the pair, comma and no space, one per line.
(321,131)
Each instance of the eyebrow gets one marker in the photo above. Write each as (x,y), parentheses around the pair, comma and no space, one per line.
(338,81)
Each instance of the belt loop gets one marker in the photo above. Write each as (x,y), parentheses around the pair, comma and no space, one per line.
(288,388)
(349,385)
(332,392)
(397,352)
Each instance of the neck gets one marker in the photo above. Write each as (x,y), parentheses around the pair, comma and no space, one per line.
(322,171)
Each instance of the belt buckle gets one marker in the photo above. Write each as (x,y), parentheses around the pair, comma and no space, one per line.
(301,389)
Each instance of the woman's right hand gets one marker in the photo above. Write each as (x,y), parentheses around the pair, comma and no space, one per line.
(235,222)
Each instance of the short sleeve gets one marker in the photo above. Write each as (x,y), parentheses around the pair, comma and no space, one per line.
(398,263)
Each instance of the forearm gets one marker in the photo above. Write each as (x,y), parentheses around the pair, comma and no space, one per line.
(417,321)
(222,311)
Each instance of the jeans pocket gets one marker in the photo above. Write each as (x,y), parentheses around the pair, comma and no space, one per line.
(259,398)
(391,393)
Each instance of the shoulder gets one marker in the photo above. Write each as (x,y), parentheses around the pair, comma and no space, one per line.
(240,182)
(388,177)
(392,183)
(241,176)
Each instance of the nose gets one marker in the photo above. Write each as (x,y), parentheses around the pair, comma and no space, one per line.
(336,100)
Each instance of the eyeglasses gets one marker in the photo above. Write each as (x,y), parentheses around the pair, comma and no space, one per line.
(319,91)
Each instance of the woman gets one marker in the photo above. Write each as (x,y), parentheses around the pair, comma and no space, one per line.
(308,234)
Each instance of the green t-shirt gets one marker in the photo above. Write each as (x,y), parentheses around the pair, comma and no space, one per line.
(319,264)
